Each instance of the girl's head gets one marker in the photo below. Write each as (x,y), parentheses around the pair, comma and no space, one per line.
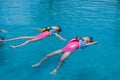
(57,28)
(88,39)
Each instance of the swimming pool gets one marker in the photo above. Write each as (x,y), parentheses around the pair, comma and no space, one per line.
(96,18)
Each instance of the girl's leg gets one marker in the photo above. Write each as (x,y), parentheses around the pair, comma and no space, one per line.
(26,42)
(23,37)
(65,56)
(47,56)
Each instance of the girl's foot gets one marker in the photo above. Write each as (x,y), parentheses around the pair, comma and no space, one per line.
(36,65)
(13,46)
(54,71)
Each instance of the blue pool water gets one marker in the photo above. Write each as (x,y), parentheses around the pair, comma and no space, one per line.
(97,18)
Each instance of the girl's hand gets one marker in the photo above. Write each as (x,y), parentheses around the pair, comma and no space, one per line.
(63,39)
(36,28)
(95,42)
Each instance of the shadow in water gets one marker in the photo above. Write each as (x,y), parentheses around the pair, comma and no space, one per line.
(115,75)
(87,74)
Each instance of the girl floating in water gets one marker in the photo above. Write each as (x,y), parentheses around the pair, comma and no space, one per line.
(72,45)
(45,32)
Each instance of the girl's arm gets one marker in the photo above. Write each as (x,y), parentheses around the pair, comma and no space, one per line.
(91,43)
(37,28)
(59,36)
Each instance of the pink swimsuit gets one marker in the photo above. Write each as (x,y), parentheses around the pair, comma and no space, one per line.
(71,46)
(42,35)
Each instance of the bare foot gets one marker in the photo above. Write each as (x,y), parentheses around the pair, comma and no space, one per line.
(13,46)
(36,65)
(54,71)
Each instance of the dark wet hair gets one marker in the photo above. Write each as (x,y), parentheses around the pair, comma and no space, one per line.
(59,29)
(77,38)
(91,39)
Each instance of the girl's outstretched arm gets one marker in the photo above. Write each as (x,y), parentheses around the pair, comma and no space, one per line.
(91,43)
(59,36)
(37,28)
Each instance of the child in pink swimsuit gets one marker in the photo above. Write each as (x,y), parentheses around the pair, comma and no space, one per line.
(42,35)
(72,45)
(54,30)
